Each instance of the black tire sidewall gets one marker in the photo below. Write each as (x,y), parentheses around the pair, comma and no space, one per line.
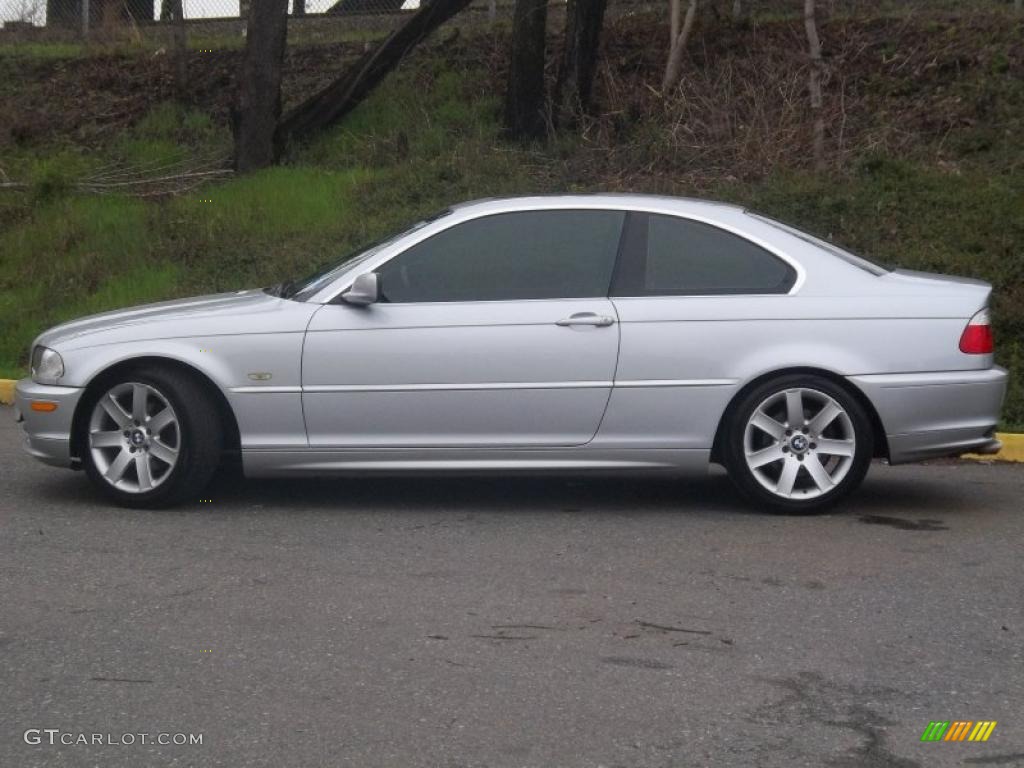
(743,477)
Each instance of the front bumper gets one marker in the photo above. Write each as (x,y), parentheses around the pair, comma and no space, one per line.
(946,413)
(47,434)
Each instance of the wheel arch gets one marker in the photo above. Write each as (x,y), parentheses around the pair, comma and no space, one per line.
(881,443)
(232,436)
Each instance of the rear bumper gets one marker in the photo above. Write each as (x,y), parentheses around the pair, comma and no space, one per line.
(928,415)
(46,435)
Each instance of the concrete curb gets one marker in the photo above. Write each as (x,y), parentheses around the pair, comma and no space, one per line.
(1012,450)
(7,391)
(1013,444)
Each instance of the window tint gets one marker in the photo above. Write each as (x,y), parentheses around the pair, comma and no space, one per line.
(306,288)
(668,255)
(876,268)
(521,255)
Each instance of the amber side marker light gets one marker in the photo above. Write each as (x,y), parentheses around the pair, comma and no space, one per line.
(43,406)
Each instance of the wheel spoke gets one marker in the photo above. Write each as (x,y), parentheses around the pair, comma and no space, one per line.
(164,453)
(136,439)
(106,439)
(142,469)
(799,462)
(117,467)
(835,447)
(788,477)
(794,408)
(766,423)
(139,395)
(161,421)
(825,417)
(818,474)
(114,410)
(765,456)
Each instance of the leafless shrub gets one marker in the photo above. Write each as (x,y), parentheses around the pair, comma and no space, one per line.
(148,180)
(733,115)
(742,110)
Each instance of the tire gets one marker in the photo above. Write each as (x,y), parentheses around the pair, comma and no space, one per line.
(150,437)
(801,469)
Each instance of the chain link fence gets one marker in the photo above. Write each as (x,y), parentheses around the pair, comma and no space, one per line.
(85,16)
(150,20)
(142,21)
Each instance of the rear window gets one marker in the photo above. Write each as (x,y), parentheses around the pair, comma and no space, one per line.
(868,265)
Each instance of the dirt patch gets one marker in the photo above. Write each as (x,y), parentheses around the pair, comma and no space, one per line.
(893,84)
(87,101)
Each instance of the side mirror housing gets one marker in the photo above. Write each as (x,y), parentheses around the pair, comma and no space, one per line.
(365,290)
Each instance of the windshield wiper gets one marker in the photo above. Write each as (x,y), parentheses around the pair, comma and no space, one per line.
(284,290)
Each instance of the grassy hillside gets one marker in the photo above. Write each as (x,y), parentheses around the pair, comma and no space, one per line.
(926,140)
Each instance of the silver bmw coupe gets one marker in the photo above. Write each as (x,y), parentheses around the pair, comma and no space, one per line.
(599,333)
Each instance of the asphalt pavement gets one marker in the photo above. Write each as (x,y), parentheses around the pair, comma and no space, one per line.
(510,622)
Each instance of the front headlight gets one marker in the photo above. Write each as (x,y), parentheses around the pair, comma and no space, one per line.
(47,366)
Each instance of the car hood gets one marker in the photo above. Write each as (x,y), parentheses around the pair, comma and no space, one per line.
(215,313)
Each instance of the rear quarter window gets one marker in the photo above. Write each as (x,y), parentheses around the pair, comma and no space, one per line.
(673,256)
(868,265)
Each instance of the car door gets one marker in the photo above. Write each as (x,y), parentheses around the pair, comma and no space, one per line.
(496,331)
(695,304)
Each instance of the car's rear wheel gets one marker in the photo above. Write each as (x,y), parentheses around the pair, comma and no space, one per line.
(798,444)
(151,437)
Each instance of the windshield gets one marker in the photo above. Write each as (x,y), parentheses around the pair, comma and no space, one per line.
(868,265)
(304,289)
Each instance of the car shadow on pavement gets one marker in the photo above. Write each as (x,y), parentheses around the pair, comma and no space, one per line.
(886,489)
(515,494)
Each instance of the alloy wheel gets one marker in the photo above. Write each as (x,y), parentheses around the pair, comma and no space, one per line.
(799,443)
(134,437)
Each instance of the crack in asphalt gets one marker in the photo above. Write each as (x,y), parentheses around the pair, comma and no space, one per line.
(903,524)
(810,698)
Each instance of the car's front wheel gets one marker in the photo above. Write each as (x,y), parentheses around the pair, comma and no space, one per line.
(151,437)
(798,444)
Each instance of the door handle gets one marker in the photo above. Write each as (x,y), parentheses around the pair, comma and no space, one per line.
(586,318)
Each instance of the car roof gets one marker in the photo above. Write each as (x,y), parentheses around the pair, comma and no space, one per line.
(616,200)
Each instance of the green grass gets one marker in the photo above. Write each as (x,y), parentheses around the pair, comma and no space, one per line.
(44,51)
(200,39)
(427,139)
(66,254)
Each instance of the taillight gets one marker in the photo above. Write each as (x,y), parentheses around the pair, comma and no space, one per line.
(977,336)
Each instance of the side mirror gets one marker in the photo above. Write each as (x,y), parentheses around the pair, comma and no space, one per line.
(365,290)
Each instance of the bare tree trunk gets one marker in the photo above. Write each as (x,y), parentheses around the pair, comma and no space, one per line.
(814,83)
(579,59)
(524,97)
(679,38)
(737,8)
(259,96)
(298,8)
(1018,6)
(342,95)
(179,48)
